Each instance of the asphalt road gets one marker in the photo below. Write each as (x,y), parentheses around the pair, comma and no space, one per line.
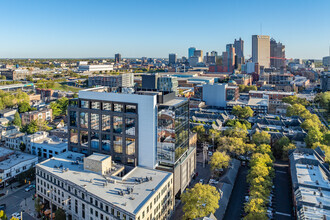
(282,192)
(14,200)
(236,201)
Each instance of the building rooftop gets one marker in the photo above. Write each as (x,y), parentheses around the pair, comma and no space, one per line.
(129,192)
(14,158)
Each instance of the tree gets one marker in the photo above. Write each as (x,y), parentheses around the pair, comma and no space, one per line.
(17,120)
(278,146)
(285,151)
(37,205)
(314,135)
(240,112)
(295,100)
(261,138)
(55,109)
(22,146)
(24,107)
(3,215)
(219,160)
(60,214)
(200,130)
(32,127)
(200,201)
(296,110)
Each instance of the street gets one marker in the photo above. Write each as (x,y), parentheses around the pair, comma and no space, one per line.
(15,199)
(282,192)
(236,201)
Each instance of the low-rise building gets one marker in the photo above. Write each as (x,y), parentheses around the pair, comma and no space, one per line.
(44,114)
(95,68)
(45,146)
(12,163)
(14,141)
(310,184)
(14,74)
(7,130)
(122,80)
(95,188)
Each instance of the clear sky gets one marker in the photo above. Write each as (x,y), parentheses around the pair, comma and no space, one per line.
(155,28)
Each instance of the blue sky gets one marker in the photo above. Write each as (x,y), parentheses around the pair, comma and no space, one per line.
(136,28)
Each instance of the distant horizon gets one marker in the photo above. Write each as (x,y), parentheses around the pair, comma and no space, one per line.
(80,29)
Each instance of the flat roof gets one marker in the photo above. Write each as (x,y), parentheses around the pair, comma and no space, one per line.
(174,102)
(14,159)
(108,188)
(97,156)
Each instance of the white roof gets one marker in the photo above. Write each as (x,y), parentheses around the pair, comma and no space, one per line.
(15,158)
(76,174)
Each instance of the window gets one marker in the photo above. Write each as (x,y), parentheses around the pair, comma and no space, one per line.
(118,107)
(91,200)
(130,126)
(95,105)
(130,146)
(106,124)
(130,108)
(83,119)
(84,138)
(117,124)
(106,106)
(95,142)
(73,119)
(91,211)
(84,104)
(118,144)
(95,121)
(106,143)
(112,211)
(118,214)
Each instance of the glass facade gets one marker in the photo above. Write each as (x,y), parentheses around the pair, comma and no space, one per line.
(173,132)
(105,127)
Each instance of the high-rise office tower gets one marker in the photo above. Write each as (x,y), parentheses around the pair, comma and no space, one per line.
(191,52)
(199,54)
(239,50)
(277,54)
(117,57)
(172,58)
(230,49)
(261,50)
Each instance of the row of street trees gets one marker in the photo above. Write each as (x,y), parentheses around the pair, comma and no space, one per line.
(259,177)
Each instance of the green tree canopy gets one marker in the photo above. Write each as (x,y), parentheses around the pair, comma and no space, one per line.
(200,201)
(261,138)
(17,120)
(219,160)
(243,113)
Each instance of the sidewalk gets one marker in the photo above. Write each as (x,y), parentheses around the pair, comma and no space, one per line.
(28,207)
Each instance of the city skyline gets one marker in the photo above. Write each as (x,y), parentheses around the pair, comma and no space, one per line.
(135,29)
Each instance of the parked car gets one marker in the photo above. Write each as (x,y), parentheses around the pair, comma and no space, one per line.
(16,215)
(210,153)
(201,181)
(3,207)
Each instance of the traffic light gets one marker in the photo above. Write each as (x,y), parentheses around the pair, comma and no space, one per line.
(25,181)
(29,182)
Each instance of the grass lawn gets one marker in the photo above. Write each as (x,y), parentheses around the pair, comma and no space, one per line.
(66,88)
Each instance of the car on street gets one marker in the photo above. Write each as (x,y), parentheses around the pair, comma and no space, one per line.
(16,215)
(210,153)
(29,188)
(201,181)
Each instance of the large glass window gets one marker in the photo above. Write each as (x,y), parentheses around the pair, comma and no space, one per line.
(117,124)
(95,140)
(84,138)
(130,146)
(95,105)
(118,144)
(106,123)
(130,126)
(131,108)
(95,119)
(73,136)
(106,106)
(106,143)
(83,119)
(118,107)
(84,104)
(73,119)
